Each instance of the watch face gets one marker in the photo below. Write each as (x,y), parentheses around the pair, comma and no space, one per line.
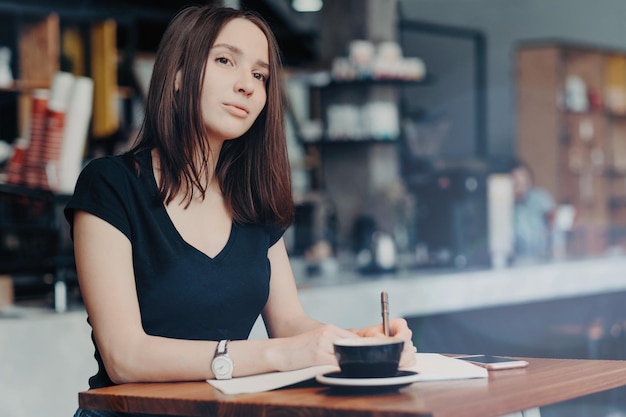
(222,366)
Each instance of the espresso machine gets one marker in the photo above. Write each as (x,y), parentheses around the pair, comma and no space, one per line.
(451,219)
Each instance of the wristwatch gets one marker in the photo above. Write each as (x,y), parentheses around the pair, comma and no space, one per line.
(222,364)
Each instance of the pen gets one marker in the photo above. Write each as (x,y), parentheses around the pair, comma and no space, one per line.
(384,307)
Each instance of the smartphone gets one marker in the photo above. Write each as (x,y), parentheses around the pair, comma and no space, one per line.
(494,362)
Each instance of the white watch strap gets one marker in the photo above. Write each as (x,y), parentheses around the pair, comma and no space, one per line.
(221,348)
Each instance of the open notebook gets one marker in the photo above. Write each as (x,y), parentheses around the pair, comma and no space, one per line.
(429,366)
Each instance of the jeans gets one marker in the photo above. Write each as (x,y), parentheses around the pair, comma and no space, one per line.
(98,413)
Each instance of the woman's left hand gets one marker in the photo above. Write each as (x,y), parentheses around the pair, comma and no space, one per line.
(398,328)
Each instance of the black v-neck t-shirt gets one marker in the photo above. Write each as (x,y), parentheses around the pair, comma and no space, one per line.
(182,292)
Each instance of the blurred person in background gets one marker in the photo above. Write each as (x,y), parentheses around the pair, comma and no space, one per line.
(534,209)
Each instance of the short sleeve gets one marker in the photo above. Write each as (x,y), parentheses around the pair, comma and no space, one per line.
(275,233)
(101,189)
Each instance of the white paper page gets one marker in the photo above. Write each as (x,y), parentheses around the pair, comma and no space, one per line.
(269,381)
(436,367)
(429,366)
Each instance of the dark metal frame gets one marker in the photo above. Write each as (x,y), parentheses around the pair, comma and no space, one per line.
(480,69)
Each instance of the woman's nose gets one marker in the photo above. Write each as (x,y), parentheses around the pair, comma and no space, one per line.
(245,84)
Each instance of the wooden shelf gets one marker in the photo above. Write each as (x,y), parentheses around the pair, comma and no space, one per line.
(339,142)
(20,86)
(551,137)
(325,79)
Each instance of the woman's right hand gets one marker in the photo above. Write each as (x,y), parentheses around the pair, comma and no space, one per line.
(311,348)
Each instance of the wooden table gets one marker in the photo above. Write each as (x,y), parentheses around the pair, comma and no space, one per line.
(544,382)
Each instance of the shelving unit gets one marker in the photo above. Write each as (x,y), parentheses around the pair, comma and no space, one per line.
(326,93)
(35,245)
(38,34)
(356,95)
(34,45)
(351,170)
(571,108)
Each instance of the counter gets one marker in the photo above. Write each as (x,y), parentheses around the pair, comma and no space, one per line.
(352,300)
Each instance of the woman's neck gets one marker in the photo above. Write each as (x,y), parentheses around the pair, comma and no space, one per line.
(205,166)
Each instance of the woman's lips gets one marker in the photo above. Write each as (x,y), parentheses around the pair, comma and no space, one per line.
(236,109)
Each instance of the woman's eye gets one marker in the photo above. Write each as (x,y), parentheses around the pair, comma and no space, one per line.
(223,60)
(260,77)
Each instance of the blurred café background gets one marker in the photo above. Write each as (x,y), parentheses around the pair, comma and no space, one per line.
(466,156)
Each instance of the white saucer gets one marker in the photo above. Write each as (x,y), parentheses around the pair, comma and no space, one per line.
(336,379)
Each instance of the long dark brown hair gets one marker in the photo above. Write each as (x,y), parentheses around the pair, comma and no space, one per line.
(253,170)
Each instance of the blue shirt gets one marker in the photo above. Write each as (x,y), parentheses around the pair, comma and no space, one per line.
(532,234)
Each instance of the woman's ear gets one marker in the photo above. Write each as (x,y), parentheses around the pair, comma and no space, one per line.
(177,80)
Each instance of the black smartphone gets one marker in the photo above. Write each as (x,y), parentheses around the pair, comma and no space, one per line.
(494,362)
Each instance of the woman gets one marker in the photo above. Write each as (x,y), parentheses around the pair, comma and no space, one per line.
(178,242)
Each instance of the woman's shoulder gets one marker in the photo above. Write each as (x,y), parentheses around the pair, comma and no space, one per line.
(114,167)
(110,162)
(263,234)
(105,187)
